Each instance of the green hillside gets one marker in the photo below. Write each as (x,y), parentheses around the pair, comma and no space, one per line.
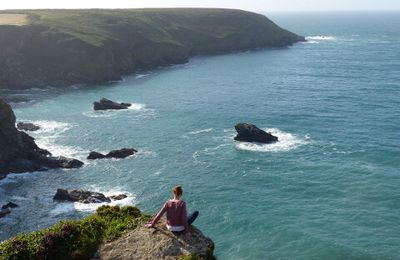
(117,42)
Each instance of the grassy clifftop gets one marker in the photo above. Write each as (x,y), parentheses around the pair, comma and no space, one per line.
(100,45)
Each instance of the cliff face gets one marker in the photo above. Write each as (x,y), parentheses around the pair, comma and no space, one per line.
(157,243)
(66,47)
(18,151)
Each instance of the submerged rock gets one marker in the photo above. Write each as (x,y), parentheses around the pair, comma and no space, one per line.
(157,243)
(118,154)
(4,212)
(105,104)
(19,152)
(27,126)
(118,197)
(84,196)
(251,133)
(10,205)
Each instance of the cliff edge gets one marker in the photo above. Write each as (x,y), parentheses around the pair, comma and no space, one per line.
(157,243)
(40,48)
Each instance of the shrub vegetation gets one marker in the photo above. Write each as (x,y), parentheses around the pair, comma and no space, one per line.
(74,239)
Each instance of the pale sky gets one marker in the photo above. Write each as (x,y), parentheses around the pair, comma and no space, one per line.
(251,5)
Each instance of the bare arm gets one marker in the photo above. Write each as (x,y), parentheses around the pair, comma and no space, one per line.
(158,216)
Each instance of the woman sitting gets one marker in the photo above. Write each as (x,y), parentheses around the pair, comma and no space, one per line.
(177,220)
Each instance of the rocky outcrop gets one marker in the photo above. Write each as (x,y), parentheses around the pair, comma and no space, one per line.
(56,50)
(27,126)
(18,151)
(106,104)
(157,243)
(118,154)
(251,133)
(5,209)
(84,196)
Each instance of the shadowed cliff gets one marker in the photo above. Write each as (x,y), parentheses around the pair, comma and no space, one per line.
(63,47)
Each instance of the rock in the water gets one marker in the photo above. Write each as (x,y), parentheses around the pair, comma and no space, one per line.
(251,133)
(95,155)
(122,153)
(157,243)
(118,197)
(4,212)
(27,126)
(118,154)
(62,162)
(84,196)
(10,205)
(105,104)
(19,152)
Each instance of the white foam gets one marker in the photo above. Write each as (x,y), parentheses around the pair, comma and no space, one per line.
(91,207)
(201,131)
(139,76)
(51,127)
(287,142)
(137,107)
(320,38)
(46,138)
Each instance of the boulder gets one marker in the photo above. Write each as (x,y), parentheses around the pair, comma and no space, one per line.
(84,196)
(118,197)
(9,205)
(122,153)
(27,126)
(118,154)
(95,155)
(251,133)
(157,243)
(105,104)
(62,162)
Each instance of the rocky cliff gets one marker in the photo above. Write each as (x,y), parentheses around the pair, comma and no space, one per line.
(65,47)
(18,151)
(157,243)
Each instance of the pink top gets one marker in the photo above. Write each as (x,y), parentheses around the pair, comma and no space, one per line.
(176,213)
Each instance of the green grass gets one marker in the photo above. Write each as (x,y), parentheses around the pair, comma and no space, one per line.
(76,239)
(96,26)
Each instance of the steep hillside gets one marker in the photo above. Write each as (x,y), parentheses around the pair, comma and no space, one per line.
(64,47)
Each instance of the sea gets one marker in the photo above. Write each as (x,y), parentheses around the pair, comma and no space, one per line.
(329,189)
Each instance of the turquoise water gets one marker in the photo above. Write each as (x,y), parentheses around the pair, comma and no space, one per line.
(329,189)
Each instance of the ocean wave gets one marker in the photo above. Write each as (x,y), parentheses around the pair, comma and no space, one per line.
(321,38)
(46,138)
(201,131)
(139,76)
(287,142)
(51,127)
(65,207)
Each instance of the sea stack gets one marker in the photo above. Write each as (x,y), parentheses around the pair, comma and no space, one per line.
(251,133)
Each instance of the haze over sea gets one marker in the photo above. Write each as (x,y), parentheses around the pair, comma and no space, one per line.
(329,189)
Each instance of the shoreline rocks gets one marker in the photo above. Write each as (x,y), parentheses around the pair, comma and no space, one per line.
(106,104)
(84,196)
(251,133)
(19,152)
(117,154)
(27,126)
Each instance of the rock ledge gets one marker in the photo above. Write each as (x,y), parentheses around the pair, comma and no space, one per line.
(157,243)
